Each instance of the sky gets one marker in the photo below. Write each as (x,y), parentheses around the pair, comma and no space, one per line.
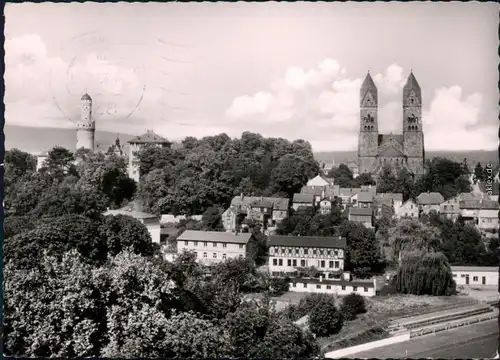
(290,70)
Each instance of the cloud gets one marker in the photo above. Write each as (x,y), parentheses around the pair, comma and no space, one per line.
(321,105)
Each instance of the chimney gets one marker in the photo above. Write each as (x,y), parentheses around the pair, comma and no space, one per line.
(241,196)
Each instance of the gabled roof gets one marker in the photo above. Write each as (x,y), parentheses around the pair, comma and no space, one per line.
(316,190)
(349,192)
(391,151)
(392,196)
(409,202)
(430,198)
(487,188)
(215,236)
(482,204)
(360,211)
(386,138)
(150,137)
(262,203)
(303,198)
(278,203)
(332,191)
(365,196)
(337,242)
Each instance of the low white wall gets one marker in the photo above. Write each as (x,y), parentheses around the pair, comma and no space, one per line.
(368,346)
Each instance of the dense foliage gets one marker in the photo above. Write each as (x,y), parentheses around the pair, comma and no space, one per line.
(344,177)
(209,172)
(352,305)
(325,319)
(425,273)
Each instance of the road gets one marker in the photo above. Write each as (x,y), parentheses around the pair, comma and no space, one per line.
(469,342)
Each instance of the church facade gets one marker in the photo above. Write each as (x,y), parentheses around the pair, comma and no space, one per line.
(404,150)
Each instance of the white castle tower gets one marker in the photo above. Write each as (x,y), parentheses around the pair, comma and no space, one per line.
(85,128)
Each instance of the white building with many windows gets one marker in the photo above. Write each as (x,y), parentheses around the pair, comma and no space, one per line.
(214,246)
(288,254)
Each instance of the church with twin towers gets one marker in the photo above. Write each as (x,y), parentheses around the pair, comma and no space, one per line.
(404,150)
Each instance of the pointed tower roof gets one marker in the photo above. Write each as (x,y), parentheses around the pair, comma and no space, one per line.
(368,85)
(86,97)
(411,84)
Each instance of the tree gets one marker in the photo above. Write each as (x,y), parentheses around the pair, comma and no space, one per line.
(387,181)
(324,318)
(363,255)
(291,174)
(363,179)
(479,172)
(352,305)
(422,273)
(154,186)
(60,161)
(212,219)
(343,176)
(17,164)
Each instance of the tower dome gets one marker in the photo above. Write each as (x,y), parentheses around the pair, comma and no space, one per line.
(86,97)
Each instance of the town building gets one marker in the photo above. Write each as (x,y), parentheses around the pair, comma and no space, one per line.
(40,159)
(409,209)
(363,199)
(320,192)
(303,200)
(346,194)
(490,190)
(482,213)
(213,247)
(320,180)
(376,150)
(288,255)
(269,211)
(482,276)
(450,208)
(351,165)
(429,201)
(85,127)
(150,138)
(342,286)
(150,221)
(362,215)
(397,199)
(325,206)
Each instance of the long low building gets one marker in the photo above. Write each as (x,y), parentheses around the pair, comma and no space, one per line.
(475,275)
(366,288)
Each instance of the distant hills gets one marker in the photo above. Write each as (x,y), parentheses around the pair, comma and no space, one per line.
(35,140)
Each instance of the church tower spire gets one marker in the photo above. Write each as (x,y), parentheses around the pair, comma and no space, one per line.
(85,128)
(368,125)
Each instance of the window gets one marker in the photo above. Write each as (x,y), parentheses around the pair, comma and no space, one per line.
(241,256)
(445,207)
(294,262)
(475,278)
(463,275)
(195,243)
(294,284)
(328,287)
(365,289)
(304,284)
(336,265)
(411,206)
(289,262)
(280,262)
(275,262)
(330,264)
(406,214)
(215,256)
(186,243)
(354,288)
(215,244)
(224,245)
(224,256)
(302,263)
(196,254)
(322,263)
(205,243)
(204,255)
(241,246)
(306,251)
(318,286)
(454,275)
(343,287)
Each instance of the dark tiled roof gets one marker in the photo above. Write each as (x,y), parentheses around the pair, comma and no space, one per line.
(430,198)
(391,151)
(215,236)
(278,203)
(365,196)
(386,138)
(392,196)
(475,268)
(349,191)
(360,211)
(264,203)
(332,191)
(303,198)
(316,190)
(368,86)
(486,188)
(150,137)
(483,204)
(411,84)
(308,241)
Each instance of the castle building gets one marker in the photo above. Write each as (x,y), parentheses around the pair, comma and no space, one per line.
(397,150)
(85,128)
(150,138)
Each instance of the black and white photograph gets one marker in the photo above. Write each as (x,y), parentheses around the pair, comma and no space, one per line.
(207,180)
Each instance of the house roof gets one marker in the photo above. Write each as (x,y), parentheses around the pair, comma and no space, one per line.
(332,190)
(365,196)
(303,198)
(262,203)
(360,211)
(316,190)
(215,236)
(475,268)
(409,202)
(430,198)
(278,203)
(487,188)
(392,196)
(348,192)
(468,196)
(483,204)
(383,201)
(386,138)
(308,241)
(150,137)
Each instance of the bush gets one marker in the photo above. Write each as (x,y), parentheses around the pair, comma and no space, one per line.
(352,305)
(278,286)
(325,319)
(310,301)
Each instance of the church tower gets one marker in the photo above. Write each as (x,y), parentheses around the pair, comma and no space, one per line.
(368,126)
(413,136)
(85,128)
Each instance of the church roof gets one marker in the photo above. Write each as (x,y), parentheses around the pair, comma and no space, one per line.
(385,138)
(150,137)
(391,151)
(411,84)
(368,85)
